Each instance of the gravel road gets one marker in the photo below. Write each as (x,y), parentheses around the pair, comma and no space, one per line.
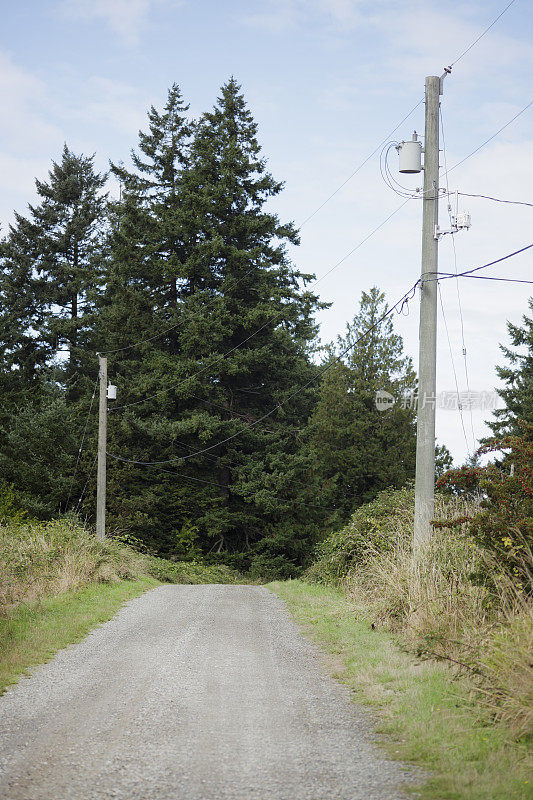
(191,693)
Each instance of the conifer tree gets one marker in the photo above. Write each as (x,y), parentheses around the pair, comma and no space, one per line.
(199,270)
(359,449)
(49,268)
(517,376)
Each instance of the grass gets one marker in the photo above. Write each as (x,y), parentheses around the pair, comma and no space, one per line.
(429,715)
(57,581)
(481,628)
(32,633)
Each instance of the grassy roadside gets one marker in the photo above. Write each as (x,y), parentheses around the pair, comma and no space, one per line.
(32,633)
(430,719)
(57,581)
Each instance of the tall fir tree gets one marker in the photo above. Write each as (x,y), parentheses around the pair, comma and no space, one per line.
(50,267)
(227,333)
(517,376)
(358,449)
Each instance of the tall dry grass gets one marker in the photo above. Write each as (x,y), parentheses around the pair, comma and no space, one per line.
(42,559)
(484,632)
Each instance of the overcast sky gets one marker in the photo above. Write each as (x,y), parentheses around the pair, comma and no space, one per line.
(326,80)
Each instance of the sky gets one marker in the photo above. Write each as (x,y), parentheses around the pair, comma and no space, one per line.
(327,81)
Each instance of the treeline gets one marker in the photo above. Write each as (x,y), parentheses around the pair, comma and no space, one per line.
(229,439)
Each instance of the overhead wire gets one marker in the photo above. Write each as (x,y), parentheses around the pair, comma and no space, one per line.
(497,199)
(361,165)
(487,29)
(358,168)
(219,485)
(459,403)
(459,302)
(494,135)
(487,278)
(483,266)
(82,495)
(82,442)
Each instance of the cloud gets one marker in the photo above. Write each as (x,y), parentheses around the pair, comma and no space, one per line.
(112,103)
(43,115)
(27,136)
(282,15)
(25,97)
(415,50)
(126,18)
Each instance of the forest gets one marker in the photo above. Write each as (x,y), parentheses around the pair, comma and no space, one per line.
(237,437)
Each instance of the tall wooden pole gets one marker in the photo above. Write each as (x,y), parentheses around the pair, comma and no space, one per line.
(425,433)
(102,446)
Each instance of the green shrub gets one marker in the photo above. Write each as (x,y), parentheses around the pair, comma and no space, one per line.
(39,559)
(191,572)
(11,509)
(503,524)
(374,526)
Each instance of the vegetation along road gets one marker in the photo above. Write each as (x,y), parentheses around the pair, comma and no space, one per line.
(192,692)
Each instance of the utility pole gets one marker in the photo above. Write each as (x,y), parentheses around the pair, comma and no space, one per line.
(102,446)
(425,433)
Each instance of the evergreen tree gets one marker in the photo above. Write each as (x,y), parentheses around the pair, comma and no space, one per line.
(38,451)
(199,270)
(443,460)
(358,448)
(49,271)
(49,268)
(518,379)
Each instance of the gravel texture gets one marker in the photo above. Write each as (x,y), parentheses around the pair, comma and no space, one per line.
(191,693)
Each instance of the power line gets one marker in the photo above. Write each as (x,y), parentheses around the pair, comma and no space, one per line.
(367,159)
(467,273)
(459,404)
(491,137)
(81,444)
(151,338)
(459,303)
(494,21)
(400,302)
(486,278)
(498,199)
(361,165)
(290,397)
(217,485)
(82,495)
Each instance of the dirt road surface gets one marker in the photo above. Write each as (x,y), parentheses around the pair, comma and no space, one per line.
(191,693)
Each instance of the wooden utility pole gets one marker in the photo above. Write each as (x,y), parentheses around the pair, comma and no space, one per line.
(102,446)
(425,433)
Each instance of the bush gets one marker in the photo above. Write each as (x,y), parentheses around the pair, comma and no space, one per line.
(11,508)
(46,558)
(503,523)
(483,630)
(191,572)
(373,527)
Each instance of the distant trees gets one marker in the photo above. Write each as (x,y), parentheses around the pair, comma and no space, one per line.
(227,440)
(357,448)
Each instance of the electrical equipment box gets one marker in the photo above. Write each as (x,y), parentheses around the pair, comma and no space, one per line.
(410,155)
(462,221)
(111,392)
